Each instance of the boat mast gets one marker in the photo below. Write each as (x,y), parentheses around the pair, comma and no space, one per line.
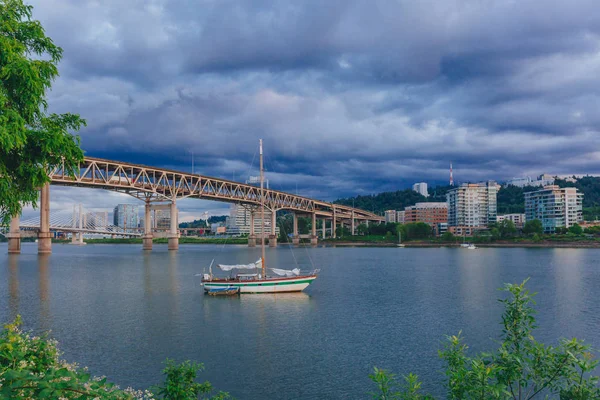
(262,212)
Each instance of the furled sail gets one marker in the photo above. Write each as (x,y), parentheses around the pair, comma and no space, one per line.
(286,272)
(255,265)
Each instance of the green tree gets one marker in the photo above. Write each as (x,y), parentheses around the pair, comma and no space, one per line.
(448,237)
(180,383)
(362,229)
(507,228)
(533,227)
(32,141)
(576,229)
(418,230)
(521,368)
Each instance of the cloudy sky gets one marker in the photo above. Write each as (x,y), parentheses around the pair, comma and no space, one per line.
(351,97)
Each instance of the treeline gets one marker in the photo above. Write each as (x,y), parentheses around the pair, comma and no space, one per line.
(201,223)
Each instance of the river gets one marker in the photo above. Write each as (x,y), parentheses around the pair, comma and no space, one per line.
(122,312)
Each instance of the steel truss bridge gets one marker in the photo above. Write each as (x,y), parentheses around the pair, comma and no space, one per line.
(158,184)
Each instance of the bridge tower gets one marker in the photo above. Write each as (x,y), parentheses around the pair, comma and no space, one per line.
(147,238)
(313,233)
(174,231)
(14,236)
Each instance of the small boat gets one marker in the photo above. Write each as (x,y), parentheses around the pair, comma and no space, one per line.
(465,245)
(471,247)
(224,291)
(285,281)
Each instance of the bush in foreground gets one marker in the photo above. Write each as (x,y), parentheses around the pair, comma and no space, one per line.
(521,368)
(31,368)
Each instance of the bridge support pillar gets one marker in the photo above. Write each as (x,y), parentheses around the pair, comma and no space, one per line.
(295,237)
(252,236)
(333,224)
(273,235)
(44,235)
(313,230)
(174,231)
(14,236)
(324,227)
(352,224)
(147,238)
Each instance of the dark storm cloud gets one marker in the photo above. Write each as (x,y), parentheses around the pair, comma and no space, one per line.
(350,96)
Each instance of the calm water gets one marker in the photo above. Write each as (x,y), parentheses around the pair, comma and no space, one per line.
(122,312)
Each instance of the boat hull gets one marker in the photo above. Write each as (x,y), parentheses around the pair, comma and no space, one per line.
(284,285)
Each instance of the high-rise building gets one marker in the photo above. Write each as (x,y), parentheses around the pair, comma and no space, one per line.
(126,216)
(472,205)
(162,219)
(239,221)
(390,216)
(400,216)
(555,207)
(421,188)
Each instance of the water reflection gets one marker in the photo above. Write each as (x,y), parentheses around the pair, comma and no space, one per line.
(45,317)
(13,285)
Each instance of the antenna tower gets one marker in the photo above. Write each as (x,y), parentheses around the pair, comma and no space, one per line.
(451,177)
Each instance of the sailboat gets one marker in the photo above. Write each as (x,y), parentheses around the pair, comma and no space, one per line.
(259,282)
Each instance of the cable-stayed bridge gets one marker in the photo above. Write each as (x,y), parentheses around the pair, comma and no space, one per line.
(79,221)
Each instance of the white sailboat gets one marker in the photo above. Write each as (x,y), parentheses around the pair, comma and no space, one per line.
(259,282)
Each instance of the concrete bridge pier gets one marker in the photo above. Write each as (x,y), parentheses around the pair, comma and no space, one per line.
(352,223)
(252,236)
(295,237)
(14,236)
(273,235)
(333,224)
(313,230)
(147,238)
(44,235)
(174,231)
(324,228)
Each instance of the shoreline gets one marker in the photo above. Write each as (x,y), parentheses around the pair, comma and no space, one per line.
(547,244)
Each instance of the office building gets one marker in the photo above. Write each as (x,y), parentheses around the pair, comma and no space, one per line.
(126,216)
(472,205)
(400,217)
(162,219)
(430,213)
(555,207)
(421,188)
(517,219)
(239,220)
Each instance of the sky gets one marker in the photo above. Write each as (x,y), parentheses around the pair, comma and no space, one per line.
(350,97)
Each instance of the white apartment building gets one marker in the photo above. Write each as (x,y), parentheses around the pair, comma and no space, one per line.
(421,188)
(555,207)
(390,216)
(239,221)
(542,180)
(400,216)
(517,219)
(472,205)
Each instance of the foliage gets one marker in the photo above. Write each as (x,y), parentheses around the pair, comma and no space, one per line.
(387,387)
(533,227)
(521,368)
(448,237)
(180,383)
(381,202)
(417,230)
(31,140)
(362,229)
(576,229)
(30,367)
(507,228)
(201,223)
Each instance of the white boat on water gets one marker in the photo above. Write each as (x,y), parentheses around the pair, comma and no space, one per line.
(471,247)
(259,282)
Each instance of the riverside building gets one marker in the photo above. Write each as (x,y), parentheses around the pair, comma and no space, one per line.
(432,214)
(555,207)
(517,219)
(472,205)
(240,219)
